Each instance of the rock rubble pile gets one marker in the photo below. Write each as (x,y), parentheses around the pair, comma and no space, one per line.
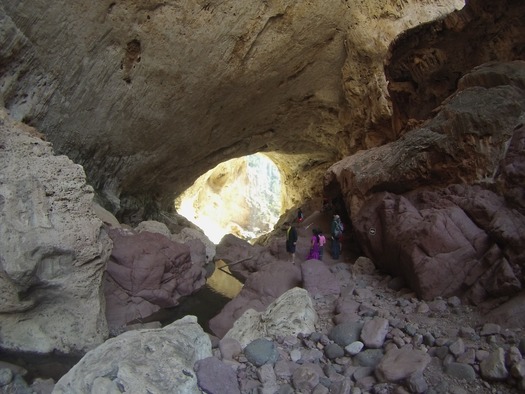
(386,341)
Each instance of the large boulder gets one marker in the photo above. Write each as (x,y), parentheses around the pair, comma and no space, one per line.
(53,249)
(441,245)
(142,361)
(260,290)
(146,272)
(242,258)
(464,143)
(290,314)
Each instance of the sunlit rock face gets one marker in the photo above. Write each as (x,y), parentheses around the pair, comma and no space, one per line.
(149,95)
(241,196)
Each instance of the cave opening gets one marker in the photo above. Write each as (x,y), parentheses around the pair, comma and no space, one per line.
(241,196)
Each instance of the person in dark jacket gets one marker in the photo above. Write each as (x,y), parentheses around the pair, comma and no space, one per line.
(291,239)
(336,231)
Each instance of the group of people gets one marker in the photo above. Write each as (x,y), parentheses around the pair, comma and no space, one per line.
(318,239)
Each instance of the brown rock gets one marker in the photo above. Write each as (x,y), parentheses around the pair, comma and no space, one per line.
(398,364)
(147,272)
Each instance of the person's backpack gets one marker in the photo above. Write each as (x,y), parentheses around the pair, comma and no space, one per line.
(338,230)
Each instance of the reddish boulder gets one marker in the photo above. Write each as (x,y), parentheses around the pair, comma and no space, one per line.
(455,241)
(147,272)
(242,258)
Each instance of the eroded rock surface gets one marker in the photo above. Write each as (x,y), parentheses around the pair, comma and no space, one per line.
(148,95)
(424,64)
(53,249)
(159,360)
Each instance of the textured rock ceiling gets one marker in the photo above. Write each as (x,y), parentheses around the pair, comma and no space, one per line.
(148,95)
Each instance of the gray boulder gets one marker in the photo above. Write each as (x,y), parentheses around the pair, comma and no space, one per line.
(155,361)
(292,313)
(53,249)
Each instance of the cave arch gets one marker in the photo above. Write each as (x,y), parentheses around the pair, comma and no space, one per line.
(241,196)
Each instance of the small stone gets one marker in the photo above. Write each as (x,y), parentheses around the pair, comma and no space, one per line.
(458,347)
(441,352)
(374,332)
(460,371)
(229,348)
(428,339)
(423,308)
(518,370)
(521,346)
(490,329)
(305,378)
(468,357)
(261,351)
(6,376)
(295,355)
(467,333)
(334,351)
(513,356)
(400,364)
(481,354)
(354,348)
(493,367)
(417,384)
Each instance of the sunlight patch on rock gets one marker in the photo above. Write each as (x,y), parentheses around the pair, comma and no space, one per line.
(240,196)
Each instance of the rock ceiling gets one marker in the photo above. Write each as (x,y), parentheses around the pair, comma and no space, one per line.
(149,95)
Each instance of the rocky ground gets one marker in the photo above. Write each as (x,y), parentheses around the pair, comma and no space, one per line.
(372,335)
(376,337)
(449,342)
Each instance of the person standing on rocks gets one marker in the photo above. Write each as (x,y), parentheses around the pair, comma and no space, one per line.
(300,215)
(291,239)
(314,246)
(322,242)
(336,231)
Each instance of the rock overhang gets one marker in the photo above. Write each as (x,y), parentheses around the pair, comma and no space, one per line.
(147,96)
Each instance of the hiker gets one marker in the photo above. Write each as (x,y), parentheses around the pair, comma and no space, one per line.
(300,216)
(322,242)
(314,246)
(291,239)
(336,231)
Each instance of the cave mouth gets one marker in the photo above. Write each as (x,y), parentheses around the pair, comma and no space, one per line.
(241,196)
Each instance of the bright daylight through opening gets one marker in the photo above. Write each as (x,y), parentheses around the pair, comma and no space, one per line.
(240,196)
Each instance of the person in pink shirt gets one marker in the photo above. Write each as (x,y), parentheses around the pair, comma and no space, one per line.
(322,242)
(314,246)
